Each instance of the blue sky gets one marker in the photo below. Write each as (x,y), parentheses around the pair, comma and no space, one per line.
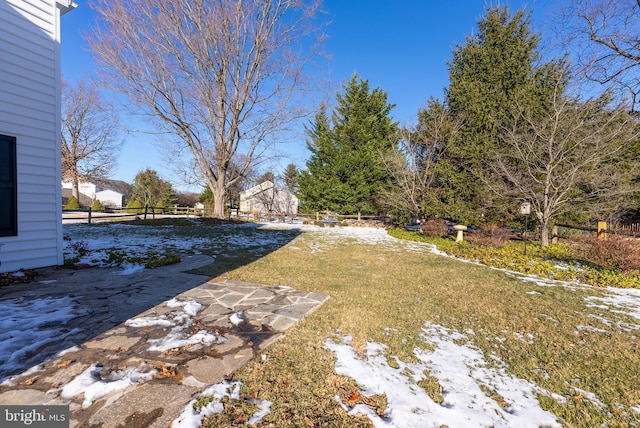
(401,46)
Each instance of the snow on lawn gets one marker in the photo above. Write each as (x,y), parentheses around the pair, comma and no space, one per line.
(180,320)
(332,237)
(192,418)
(461,371)
(94,244)
(27,325)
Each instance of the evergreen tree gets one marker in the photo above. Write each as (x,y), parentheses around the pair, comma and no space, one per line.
(149,189)
(134,206)
(291,174)
(317,181)
(487,74)
(345,172)
(72,204)
(97,206)
(267,176)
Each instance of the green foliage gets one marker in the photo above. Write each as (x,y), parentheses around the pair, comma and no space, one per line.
(72,204)
(149,261)
(160,206)
(207,199)
(97,206)
(149,189)
(553,262)
(291,174)
(134,206)
(487,74)
(345,172)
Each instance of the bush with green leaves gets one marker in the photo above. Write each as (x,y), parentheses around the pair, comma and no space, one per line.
(97,206)
(134,206)
(559,262)
(72,204)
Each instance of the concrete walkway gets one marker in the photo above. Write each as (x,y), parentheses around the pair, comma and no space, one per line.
(147,343)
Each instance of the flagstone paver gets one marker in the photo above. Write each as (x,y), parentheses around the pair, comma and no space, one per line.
(170,377)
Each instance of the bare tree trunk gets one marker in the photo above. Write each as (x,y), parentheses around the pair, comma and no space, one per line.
(218,199)
(75,188)
(223,77)
(544,233)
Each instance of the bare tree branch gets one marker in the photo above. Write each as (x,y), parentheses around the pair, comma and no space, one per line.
(413,166)
(604,37)
(89,140)
(220,75)
(574,157)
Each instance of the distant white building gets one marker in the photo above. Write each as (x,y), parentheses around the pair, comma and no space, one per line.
(30,125)
(267,197)
(90,192)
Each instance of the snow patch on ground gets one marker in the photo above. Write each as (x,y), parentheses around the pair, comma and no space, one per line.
(192,418)
(464,376)
(91,383)
(130,269)
(180,320)
(43,319)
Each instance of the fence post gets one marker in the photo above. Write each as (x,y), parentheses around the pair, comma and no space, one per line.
(317,216)
(602,230)
(358,215)
(89,216)
(145,211)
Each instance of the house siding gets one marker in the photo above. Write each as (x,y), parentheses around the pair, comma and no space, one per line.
(30,111)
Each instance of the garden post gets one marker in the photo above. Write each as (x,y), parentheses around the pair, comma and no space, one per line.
(602,230)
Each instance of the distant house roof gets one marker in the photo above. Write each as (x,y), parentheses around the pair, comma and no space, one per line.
(117,185)
(265,185)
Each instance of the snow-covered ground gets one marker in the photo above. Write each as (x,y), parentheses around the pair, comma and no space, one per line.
(457,365)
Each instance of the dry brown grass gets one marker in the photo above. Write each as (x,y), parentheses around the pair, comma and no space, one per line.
(374,289)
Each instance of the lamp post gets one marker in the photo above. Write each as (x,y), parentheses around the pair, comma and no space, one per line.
(525,209)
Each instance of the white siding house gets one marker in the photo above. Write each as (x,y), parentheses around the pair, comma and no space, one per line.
(267,197)
(30,167)
(108,197)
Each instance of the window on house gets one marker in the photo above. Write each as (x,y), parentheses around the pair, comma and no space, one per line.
(8,187)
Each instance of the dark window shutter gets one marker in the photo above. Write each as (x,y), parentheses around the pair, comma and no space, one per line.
(8,187)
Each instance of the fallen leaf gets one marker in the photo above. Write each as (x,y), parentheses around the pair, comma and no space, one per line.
(64,364)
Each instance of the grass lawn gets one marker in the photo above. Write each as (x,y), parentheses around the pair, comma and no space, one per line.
(579,349)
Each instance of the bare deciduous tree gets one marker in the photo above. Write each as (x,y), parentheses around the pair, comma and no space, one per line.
(604,38)
(89,140)
(573,157)
(219,75)
(413,166)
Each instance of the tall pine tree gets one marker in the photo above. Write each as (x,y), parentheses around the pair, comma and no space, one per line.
(492,70)
(345,172)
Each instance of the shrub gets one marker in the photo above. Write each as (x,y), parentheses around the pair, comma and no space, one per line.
(160,207)
(613,253)
(491,236)
(97,206)
(134,206)
(72,204)
(434,227)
